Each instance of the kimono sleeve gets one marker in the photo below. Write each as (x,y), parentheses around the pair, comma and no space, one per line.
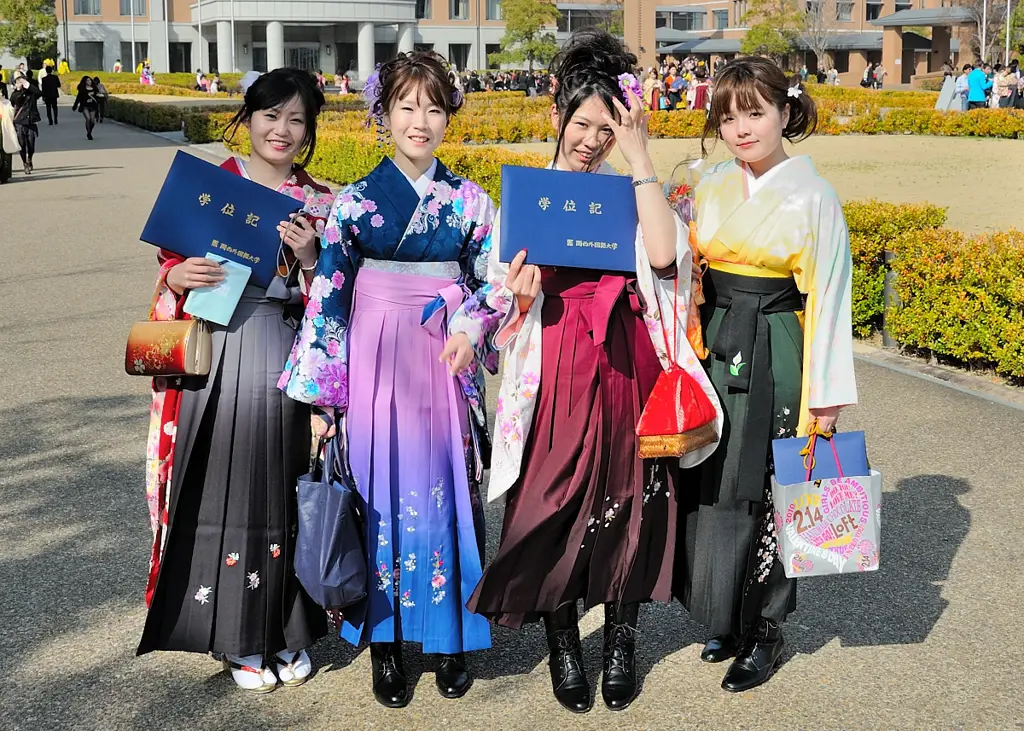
(480,314)
(317,368)
(826,276)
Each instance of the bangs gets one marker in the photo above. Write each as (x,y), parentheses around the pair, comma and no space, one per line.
(742,90)
(425,85)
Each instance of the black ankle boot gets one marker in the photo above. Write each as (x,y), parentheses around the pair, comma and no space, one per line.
(568,680)
(389,686)
(757,658)
(720,648)
(619,685)
(452,678)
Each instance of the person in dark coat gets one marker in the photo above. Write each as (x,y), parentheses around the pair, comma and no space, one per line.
(50,85)
(101,98)
(87,104)
(25,99)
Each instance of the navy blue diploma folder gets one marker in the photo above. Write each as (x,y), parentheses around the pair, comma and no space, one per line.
(581,220)
(204,209)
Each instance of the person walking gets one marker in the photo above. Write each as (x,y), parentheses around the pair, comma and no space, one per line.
(25,100)
(50,86)
(8,140)
(101,99)
(87,103)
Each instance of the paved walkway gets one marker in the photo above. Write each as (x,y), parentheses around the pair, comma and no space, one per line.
(930,641)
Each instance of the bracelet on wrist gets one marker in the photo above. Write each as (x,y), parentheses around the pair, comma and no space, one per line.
(310,268)
(645,181)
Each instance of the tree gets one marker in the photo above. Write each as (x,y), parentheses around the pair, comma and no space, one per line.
(526,36)
(774,27)
(820,23)
(27,27)
(995,28)
(612,18)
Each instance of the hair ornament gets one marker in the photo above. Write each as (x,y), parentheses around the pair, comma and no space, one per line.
(628,83)
(795,92)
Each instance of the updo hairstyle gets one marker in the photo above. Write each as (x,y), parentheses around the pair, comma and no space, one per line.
(423,69)
(744,82)
(589,64)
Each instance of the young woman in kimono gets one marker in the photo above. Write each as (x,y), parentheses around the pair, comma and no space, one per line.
(383,346)
(225,450)
(586,518)
(778,303)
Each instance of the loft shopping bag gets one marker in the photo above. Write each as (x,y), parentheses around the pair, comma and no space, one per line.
(330,558)
(828,519)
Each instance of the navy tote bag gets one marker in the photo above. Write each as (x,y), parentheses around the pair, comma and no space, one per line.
(330,558)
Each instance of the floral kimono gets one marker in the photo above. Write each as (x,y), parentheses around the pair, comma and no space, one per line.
(585,517)
(778,325)
(399,259)
(219,482)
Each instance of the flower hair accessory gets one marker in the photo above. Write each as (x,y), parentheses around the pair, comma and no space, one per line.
(795,92)
(371,97)
(628,83)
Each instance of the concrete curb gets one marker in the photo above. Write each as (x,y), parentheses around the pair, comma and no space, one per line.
(967,383)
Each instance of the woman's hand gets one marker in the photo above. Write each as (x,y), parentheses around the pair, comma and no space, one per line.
(300,236)
(631,132)
(193,273)
(458,352)
(323,421)
(523,281)
(826,418)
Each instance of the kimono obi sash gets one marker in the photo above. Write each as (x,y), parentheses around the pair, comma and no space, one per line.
(604,289)
(437,298)
(743,343)
(747,270)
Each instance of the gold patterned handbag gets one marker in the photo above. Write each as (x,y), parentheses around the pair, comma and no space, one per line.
(168,347)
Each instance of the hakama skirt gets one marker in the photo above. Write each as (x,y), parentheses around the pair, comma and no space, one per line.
(588,519)
(410,450)
(226,582)
(733,574)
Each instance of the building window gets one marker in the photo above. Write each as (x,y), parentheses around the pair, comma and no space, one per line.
(181,57)
(841,61)
(686,20)
(872,11)
(494,10)
(88,55)
(127,7)
(88,7)
(903,6)
(721,19)
(844,12)
(574,19)
(490,48)
(458,9)
(458,55)
(423,9)
(141,54)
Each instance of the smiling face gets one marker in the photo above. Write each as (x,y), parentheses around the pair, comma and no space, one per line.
(277,133)
(417,125)
(588,139)
(756,134)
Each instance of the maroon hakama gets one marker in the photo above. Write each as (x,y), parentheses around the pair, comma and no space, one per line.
(587,519)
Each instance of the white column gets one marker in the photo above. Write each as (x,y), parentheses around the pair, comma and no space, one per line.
(224,46)
(366,50)
(275,45)
(406,37)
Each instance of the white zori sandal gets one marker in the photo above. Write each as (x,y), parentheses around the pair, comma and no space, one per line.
(249,673)
(293,668)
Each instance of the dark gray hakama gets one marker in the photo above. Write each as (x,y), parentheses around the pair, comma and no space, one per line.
(226,582)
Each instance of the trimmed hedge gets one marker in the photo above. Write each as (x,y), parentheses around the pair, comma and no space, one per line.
(159,117)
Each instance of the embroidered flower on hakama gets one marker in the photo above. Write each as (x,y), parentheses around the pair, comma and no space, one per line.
(275,550)
(410,563)
(232,559)
(407,599)
(307,335)
(438,578)
(203,595)
(313,307)
(383,577)
(337,280)
(253,579)
(437,492)
(312,364)
(354,229)
(333,348)
(369,206)
(377,221)
(320,288)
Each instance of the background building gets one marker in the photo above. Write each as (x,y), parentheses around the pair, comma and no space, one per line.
(352,35)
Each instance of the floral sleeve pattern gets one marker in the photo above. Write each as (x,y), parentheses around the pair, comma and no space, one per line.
(317,369)
(476,318)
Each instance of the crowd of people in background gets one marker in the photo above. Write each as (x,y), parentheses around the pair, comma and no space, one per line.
(984,86)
